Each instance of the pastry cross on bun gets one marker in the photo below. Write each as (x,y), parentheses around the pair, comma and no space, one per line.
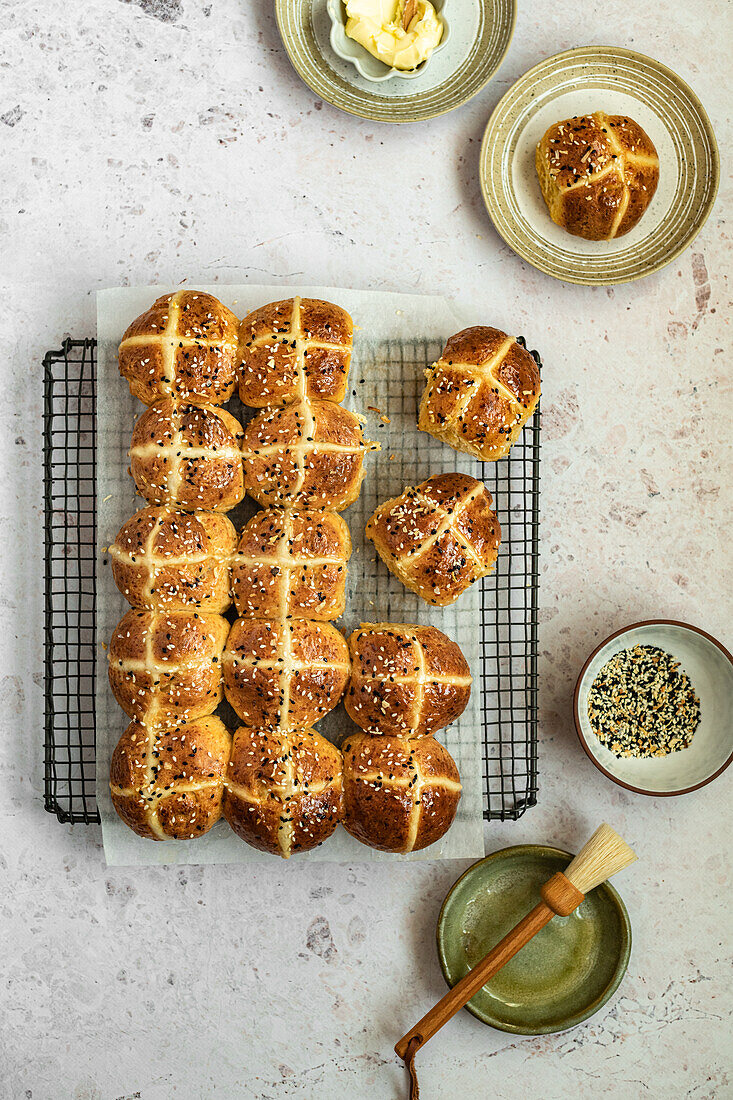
(438,537)
(188,454)
(296,349)
(399,795)
(406,680)
(308,454)
(480,393)
(167,784)
(168,560)
(167,666)
(185,345)
(292,564)
(283,789)
(284,673)
(598,174)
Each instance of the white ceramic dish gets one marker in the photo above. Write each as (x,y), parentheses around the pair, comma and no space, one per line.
(371,68)
(710,669)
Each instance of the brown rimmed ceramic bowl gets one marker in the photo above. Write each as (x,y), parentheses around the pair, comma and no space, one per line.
(710,669)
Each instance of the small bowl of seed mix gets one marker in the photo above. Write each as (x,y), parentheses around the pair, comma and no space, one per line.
(654,707)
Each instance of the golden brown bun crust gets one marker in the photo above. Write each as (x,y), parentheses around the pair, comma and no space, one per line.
(307,454)
(188,455)
(598,174)
(439,537)
(285,674)
(294,349)
(167,666)
(399,795)
(480,393)
(184,346)
(167,560)
(168,783)
(283,789)
(406,680)
(292,564)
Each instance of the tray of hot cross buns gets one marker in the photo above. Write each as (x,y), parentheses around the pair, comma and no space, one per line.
(293,533)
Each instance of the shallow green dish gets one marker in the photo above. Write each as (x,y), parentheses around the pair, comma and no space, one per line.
(618,81)
(564,975)
(479,38)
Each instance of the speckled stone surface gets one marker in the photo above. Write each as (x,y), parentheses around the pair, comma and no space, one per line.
(169,139)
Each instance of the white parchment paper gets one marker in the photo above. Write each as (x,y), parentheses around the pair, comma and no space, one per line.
(396,337)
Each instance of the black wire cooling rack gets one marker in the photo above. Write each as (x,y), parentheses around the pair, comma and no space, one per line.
(509,603)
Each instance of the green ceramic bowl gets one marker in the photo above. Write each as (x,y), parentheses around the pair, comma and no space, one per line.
(564,975)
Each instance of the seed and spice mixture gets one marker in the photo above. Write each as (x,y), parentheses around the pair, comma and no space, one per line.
(642,704)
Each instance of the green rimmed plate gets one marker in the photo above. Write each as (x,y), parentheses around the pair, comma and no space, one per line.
(620,82)
(480,36)
(564,975)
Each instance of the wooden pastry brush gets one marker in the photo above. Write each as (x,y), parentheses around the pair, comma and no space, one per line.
(604,855)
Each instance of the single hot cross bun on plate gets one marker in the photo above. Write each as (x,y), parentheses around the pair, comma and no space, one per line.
(167,783)
(184,346)
(308,454)
(400,795)
(168,560)
(295,349)
(480,393)
(406,679)
(438,537)
(283,789)
(188,455)
(286,673)
(598,174)
(166,666)
(292,564)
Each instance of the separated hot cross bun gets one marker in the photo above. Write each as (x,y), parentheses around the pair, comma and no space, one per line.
(295,349)
(598,174)
(184,346)
(283,789)
(188,455)
(167,784)
(167,666)
(480,393)
(292,564)
(309,454)
(168,560)
(400,795)
(438,537)
(406,680)
(286,673)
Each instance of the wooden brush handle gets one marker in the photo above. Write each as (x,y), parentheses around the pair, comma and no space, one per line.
(559,897)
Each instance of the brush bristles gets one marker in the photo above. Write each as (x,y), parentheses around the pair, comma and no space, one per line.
(604,855)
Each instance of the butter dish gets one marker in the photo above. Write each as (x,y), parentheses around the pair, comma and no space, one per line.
(371,68)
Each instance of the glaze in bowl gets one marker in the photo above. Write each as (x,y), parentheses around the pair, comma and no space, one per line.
(565,974)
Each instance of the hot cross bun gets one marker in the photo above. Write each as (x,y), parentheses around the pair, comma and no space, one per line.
(286,673)
(309,454)
(283,789)
(438,537)
(168,560)
(406,680)
(292,350)
(184,346)
(292,564)
(188,455)
(167,783)
(480,393)
(167,666)
(400,795)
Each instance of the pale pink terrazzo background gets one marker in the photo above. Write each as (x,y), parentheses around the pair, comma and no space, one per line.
(169,138)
